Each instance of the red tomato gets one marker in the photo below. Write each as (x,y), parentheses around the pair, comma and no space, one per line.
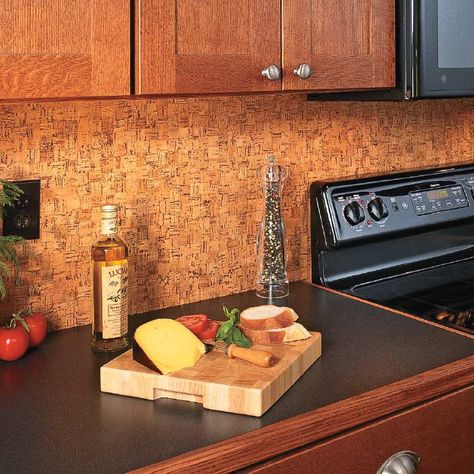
(194,322)
(38,325)
(210,331)
(13,342)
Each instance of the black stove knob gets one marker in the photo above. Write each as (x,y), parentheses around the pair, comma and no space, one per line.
(377,209)
(354,213)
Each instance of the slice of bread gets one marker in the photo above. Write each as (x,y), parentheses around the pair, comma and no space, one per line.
(295,332)
(267,317)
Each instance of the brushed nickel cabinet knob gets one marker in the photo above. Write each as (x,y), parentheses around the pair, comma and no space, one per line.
(272,72)
(303,71)
(404,462)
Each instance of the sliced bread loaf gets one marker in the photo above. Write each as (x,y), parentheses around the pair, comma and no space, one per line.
(295,332)
(267,317)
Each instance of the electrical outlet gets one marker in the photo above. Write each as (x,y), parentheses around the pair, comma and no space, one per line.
(24,218)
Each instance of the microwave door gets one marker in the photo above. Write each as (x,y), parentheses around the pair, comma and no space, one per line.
(446,48)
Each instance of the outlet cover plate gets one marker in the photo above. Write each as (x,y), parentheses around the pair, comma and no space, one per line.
(24,218)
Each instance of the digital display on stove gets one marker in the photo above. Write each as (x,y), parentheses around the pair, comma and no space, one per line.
(437,194)
(437,200)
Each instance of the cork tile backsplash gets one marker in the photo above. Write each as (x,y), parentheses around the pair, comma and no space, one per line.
(183,172)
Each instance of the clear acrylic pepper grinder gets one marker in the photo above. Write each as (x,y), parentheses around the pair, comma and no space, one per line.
(272,280)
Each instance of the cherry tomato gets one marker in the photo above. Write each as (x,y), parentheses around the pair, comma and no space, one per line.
(210,331)
(194,322)
(13,342)
(38,325)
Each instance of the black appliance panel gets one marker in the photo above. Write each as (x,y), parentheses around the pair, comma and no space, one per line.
(355,211)
(446,48)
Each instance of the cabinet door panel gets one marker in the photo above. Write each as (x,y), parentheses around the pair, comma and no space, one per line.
(199,46)
(440,432)
(64,48)
(349,44)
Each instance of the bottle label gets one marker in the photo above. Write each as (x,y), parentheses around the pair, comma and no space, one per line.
(109,225)
(114,301)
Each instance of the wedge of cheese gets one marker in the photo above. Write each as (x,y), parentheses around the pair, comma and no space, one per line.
(166,345)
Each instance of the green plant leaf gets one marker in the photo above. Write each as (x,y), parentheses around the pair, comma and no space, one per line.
(238,337)
(229,332)
(3,289)
(224,330)
(7,247)
(4,270)
(9,195)
(234,314)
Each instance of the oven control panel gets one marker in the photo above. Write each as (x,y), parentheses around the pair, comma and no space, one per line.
(438,199)
(351,211)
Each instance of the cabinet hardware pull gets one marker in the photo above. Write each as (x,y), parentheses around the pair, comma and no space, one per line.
(404,462)
(303,71)
(272,72)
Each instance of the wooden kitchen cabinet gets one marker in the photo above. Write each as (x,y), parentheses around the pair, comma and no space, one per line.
(204,46)
(439,431)
(64,48)
(348,44)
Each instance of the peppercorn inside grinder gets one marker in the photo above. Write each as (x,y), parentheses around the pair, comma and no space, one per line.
(272,279)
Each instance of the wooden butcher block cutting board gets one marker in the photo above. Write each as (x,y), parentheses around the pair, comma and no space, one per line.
(217,382)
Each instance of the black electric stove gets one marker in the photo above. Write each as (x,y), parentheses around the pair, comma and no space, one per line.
(405,241)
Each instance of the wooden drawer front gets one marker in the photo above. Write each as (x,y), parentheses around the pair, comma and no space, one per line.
(58,48)
(440,431)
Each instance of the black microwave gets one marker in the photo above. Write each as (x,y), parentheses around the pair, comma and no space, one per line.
(435,53)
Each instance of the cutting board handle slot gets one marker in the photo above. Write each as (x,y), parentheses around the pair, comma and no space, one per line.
(190,397)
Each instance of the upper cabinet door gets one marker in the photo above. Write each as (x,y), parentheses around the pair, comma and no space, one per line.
(64,48)
(347,44)
(200,46)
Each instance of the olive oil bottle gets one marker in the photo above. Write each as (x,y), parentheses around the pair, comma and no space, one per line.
(110,285)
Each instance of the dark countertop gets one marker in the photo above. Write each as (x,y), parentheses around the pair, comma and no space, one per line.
(53,417)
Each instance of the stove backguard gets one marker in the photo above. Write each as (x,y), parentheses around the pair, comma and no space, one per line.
(374,228)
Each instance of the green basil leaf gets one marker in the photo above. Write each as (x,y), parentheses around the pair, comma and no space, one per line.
(224,330)
(237,315)
(239,338)
(229,332)
(227,313)
(234,314)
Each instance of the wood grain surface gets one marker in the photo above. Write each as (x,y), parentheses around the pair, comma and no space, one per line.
(438,431)
(349,44)
(216,381)
(296,432)
(189,46)
(183,172)
(58,48)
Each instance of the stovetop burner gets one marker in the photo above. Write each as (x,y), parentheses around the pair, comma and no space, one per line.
(442,294)
(463,319)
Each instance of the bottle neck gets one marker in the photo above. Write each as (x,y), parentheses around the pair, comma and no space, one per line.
(109,227)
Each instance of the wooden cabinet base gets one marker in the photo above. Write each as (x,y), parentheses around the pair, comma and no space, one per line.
(439,431)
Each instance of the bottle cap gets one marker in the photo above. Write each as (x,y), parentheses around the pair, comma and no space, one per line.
(109,211)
